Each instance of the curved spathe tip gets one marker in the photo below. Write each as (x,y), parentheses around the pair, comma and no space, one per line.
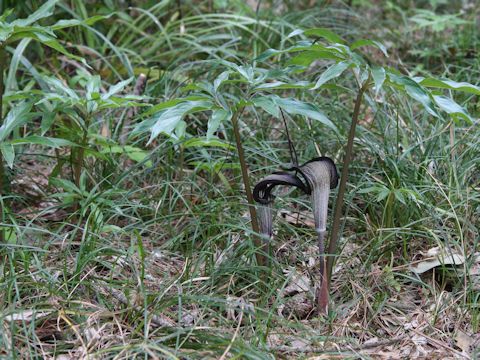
(262,193)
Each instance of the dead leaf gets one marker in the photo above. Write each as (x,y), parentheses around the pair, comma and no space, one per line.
(298,218)
(438,256)
(464,342)
(298,283)
(27,315)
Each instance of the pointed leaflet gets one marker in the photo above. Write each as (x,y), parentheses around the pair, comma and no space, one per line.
(8,153)
(43,11)
(283,85)
(325,34)
(294,33)
(118,87)
(17,116)
(452,108)
(293,106)
(166,121)
(220,79)
(272,103)
(448,84)
(43,140)
(332,72)
(267,104)
(415,91)
(60,87)
(378,74)
(307,57)
(367,42)
(62,24)
(203,142)
(218,116)
(301,45)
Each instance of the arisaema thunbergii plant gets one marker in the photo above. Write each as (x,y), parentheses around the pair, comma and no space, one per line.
(83,114)
(248,86)
(323,48)
(23,31)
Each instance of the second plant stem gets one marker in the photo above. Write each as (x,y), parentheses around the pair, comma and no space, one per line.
(332,246)
(246,182)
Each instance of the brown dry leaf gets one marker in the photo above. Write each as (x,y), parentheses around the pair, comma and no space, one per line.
(298,283)
(438,256)
(297,295)
(298,218)
(299,305)
(464,342)
(26,315)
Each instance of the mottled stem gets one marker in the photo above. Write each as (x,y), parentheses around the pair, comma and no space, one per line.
(332,246)
(246,183)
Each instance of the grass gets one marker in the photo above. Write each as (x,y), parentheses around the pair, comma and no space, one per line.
(157,260)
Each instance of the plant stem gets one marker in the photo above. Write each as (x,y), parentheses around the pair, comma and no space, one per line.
(78,161)
(332,246)
(2,168)
(246,183)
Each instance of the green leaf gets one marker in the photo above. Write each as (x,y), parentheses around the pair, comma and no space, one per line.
(8,153)
(283,85)
(382,194)
(11,83)
(399,196)
(370,189)
(272,104)
(171,103)
(378,74)
(220,80)
(267,104)
(6,30)
(448,84)
(62,24)
(295,33)
(415,91)
(54,44)
(67,185)
(307,57)
(60,87)
(134,153)
(268,54)
(180,130)
(203,142)
(47,121)
(452,108)
(325,34)
(332,72)
(303,45)
(218,116)
(17,116)
(296,107)
(93,87)
(114,89)
(43,140)
(42,12)
(366,42)
(166,121)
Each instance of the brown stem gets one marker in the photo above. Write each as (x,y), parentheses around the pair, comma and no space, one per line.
(246,183)
(332,246)
(80,154)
